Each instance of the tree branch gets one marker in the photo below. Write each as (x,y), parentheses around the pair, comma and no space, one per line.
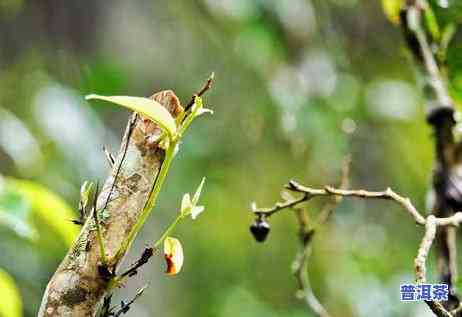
(441,117)
(78,287)
(431,224)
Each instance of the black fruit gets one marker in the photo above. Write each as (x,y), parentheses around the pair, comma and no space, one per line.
(260,229)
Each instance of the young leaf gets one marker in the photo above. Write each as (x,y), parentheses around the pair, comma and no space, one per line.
(196,210)
(147,107)
(173,254)
(186,205)
(198,192)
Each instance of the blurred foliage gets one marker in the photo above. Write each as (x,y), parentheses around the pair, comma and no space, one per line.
(10,305)
(299,84)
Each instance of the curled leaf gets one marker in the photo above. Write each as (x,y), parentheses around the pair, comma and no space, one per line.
(201,111)
(189,206)
(147,107)
(173,254)
(196,210)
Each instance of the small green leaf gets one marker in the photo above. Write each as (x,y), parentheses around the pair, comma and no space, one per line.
(196,210)
(432,24)
(10,303)
(198,102)
(186,205)
(85,193)
(198,192)
(147,107)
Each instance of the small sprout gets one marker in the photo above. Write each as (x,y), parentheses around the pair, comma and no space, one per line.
(173,254)
(260,229)
(85,193)
(198,107)
(189,206)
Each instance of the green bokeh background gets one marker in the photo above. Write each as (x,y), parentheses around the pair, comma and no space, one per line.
(298,85)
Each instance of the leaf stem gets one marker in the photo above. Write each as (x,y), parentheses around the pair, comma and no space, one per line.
(150,203)
(168,231)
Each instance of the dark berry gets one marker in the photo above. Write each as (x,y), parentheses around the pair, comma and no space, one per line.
(260,229)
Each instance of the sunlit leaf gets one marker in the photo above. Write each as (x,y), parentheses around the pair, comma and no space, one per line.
(147,107)
(391,9)
(10,303)
(173,254)
(47,206)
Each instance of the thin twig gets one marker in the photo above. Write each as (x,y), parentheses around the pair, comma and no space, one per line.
(144,258)
(431,223)
(326,211)
(110,158)
(300,266)
(420,261)
(207,85)
(278,206)
(121,309)
(414,11)
(387,194)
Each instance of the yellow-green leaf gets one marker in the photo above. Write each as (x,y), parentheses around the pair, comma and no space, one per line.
(432,24)
(10,303)
(147,107)
(48,206)
(391,9)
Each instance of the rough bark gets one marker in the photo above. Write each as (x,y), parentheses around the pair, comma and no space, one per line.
(78,287)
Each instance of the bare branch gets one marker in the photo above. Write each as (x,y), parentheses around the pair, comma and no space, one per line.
(420,261)
(278,206)
(387,194)
(300,264)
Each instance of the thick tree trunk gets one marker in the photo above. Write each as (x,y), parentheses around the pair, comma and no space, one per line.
(77,287)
